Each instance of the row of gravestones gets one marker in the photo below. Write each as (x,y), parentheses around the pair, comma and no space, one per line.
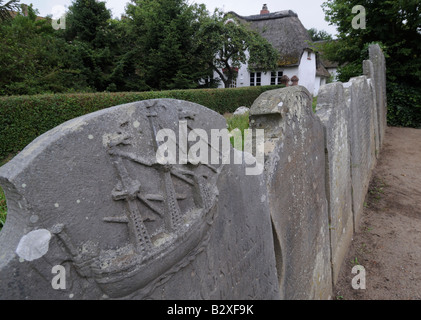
(94,214)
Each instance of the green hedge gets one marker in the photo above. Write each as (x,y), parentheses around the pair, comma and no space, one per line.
(404,105)
(23,118)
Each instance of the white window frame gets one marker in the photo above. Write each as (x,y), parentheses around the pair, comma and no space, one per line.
(254,76)
(276,75)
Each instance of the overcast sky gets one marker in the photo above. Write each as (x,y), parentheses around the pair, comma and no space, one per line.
(309,11)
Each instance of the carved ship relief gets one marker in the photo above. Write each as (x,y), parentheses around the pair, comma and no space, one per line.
(152,256)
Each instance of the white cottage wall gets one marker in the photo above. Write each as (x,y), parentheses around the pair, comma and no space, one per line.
(307,71)
(320,81)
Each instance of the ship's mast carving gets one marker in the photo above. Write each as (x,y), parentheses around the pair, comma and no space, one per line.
(131,189)
(173,219)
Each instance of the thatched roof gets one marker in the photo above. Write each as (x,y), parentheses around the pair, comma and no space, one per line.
(284,31)
(321,70)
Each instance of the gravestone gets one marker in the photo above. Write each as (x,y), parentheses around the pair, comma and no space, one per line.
(295,178)
(241,110)
(360,100)
(94,215)
(368,68)
(379,66)
(334,114)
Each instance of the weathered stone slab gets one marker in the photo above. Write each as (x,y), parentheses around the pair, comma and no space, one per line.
(369,73)
(334,114)
(360,99)
(88,200)
(241,110)
(379,67)
(295,177)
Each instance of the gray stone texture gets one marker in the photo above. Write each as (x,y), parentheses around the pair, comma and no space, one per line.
(368,68)
(90,196)
(241,110)
(295,178)
(334,114)
(360,99)
(379,62)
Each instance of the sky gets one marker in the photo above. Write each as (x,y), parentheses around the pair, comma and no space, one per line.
(309,11)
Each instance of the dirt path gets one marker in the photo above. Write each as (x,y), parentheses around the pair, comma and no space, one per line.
(388,244)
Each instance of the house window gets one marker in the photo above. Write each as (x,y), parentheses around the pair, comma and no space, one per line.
(255,79)
(258,79)
(308,55)
(233,83)
(280,74)
(275,77)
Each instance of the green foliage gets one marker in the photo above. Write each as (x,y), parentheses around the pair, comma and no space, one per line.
(404,106)
(314,104)
(240,122)
(3,205)
(396,25)
(163,36)
(317,35)
(34,60)
(91,34)
(87,20)
(23,118)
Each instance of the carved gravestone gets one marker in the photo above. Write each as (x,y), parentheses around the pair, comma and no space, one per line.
(295,178)
(334,114)
(89,200)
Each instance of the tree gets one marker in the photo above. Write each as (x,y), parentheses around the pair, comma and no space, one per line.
(163,36)
(33,59)
(87,30)
(123,76)
(87,21)
(5,9)
(396,26)
(319,35)
(228,44)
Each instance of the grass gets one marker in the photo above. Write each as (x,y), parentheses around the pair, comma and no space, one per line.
(355,261)
(240,122)
(3,206)
(376,190)
(314,104)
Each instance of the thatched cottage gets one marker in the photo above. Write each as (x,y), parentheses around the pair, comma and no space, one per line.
(287,34)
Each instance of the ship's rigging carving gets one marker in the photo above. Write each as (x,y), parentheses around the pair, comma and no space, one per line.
(133,268)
